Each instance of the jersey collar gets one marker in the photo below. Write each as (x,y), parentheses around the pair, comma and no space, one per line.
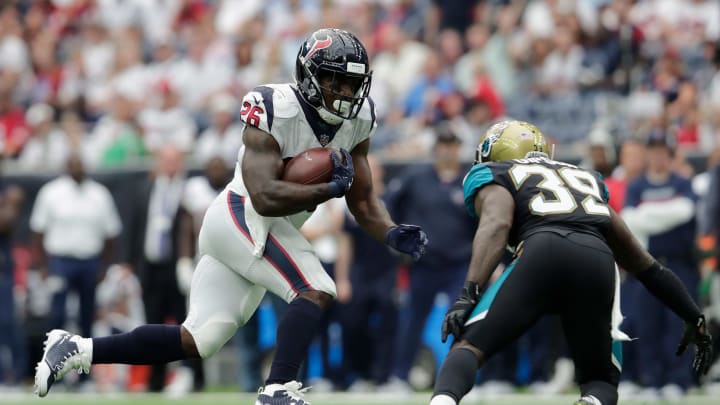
(323,131)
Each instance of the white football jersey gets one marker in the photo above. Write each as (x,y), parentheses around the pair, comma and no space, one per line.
(279,110)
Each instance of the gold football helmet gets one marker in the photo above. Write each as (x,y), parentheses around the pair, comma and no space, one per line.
(508,140)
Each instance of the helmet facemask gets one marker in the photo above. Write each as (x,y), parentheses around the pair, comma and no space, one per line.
(335,105)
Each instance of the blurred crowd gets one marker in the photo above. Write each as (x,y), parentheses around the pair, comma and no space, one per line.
(96,86)
(116,79)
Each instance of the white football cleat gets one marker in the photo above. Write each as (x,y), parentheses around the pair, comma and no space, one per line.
(63,352)
(290,393)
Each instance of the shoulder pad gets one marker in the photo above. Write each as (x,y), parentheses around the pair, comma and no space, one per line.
(263,104)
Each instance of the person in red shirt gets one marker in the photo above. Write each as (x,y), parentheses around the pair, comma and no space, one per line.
(13,129)
(631,165)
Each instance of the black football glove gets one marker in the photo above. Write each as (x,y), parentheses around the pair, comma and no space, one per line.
(343,173)
(459,312)
(408,239)
(696,333)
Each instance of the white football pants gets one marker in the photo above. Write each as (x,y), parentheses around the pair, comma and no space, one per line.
(229,282)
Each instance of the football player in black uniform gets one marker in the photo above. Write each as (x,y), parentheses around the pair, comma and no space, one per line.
(566,240)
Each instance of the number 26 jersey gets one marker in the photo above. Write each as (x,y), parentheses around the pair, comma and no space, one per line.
(548,195)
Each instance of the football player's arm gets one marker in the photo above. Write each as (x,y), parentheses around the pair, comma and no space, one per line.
(666,287)
(262,167)
(495,207)
(660,281)
(365,206)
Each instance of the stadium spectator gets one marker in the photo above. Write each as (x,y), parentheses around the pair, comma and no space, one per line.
(75,226)
(224,137)
(631,165)
(397,64)
(601,152)
(425,91)
(560,69)
(476,38)
(13,128)
(48,147)
(153,254)
(116,139)
(11,202)
(366,278)
(164,122)
(456,15)
(660,211)
(14,54)
(431,196)
(119,309)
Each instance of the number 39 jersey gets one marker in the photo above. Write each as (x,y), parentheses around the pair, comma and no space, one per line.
(547,194)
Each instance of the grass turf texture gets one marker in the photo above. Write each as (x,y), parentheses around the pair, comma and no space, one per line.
(316,399)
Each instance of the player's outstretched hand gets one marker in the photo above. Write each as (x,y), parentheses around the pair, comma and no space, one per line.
(459,312)
(696,333)
(343,173)
(408,239)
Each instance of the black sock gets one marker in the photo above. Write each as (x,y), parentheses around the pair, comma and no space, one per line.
(147,344)
(457,374)
(605,392)
(297,328)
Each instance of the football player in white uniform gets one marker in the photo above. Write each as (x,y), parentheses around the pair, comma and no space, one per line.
(250,242)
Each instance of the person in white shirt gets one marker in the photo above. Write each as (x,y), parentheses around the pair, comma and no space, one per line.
(75,225)
(224,137)
(168,123)
(48,148)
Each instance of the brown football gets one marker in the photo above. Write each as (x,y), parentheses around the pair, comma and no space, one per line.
(313,166)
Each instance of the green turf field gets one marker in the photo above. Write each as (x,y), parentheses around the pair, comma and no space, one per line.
(317,399)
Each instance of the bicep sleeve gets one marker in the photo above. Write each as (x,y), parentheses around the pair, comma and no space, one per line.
(479,176)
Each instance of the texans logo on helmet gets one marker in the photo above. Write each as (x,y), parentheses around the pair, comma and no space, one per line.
(318,45)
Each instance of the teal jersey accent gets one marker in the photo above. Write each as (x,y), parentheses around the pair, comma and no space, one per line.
(489,296)
(617,354)
(604,193)
(479,176)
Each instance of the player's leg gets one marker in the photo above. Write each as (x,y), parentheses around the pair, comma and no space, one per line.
(507,309)
(222,300)
(586,314)
(290,269)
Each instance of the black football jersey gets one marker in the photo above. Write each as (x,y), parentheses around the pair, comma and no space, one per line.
(547,193)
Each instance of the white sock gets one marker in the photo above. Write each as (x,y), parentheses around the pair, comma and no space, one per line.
(442,399)
(86,346)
